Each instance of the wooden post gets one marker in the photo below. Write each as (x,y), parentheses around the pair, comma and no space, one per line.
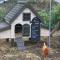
(12,42)
(7,40)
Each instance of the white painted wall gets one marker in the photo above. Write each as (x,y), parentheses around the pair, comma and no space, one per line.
(9,34)
(5,34)
(19,20)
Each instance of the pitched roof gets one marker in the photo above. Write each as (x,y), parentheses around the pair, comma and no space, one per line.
(4,26)
(14,12)
(17,9)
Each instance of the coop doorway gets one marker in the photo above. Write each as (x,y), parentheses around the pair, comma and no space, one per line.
(18,30)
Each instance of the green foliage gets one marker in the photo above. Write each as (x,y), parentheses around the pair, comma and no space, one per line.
(45,17)
(55,16)
(5,7)
(56,13)
(2,12)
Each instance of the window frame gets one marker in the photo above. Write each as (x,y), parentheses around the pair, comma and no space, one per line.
(25,26)
(26,16)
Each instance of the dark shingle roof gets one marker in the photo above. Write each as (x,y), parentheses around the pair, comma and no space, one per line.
(4,26)
(13,13)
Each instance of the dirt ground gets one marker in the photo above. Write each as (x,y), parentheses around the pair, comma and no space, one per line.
(31,53)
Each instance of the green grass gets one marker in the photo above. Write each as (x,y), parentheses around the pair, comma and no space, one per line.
(2,13)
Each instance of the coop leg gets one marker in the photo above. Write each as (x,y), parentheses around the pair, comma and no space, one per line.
(7,40)
(12,42)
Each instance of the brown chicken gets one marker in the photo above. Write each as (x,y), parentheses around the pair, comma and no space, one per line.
(45,50)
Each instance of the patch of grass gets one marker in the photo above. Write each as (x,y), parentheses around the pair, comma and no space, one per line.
(2,13)
(29,43)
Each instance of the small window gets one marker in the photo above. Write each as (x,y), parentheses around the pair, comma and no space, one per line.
(26,16)
(26,30)
(18,28)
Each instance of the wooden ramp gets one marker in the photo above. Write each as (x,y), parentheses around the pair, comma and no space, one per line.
(20,43)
